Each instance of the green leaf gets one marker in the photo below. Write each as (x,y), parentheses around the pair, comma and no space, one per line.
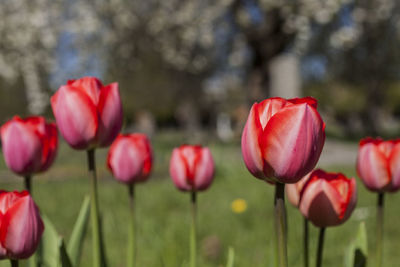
(64,258)
(231,257)
(53,251)
(357,253)
(75,243)
(50,244)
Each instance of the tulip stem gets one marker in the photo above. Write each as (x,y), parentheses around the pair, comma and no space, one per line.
(280,224)
(28,183)
(379,229)
(94,212)
(320,246)
(14,263)
(132,242)
(305,244)
(193,241)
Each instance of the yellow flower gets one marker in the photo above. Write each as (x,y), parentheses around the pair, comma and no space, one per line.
(239,205)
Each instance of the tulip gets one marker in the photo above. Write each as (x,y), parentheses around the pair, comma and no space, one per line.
(192,169)
(281,142)
(130,158)
(130,161)
(21,227)
(29,145)
(378,166)
(88,114)
(327,199)
(283,139)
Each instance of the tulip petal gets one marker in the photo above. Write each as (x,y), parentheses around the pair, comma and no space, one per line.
(125,160)
(49,146)
(21,229)
(110,110)
(293,191)
(178,171)
(267,108)
(90,86)
(395,167)
(293,140)
(351,203)
(204,172)
(251,150)
(320,205)
(373,168)
(143,145)
(3,251)
(76,116)
(7,199)
(21,147)
(309,100)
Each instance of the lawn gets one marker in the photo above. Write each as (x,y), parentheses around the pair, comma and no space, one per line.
(163,212)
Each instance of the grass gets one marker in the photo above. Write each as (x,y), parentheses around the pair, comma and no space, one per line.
(163,212)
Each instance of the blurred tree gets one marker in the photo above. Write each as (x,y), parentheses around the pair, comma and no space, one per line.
(29,32)
(162,51)
(235,40)
(361,46)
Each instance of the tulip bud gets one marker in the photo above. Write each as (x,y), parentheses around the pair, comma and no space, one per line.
(283,139)
(130,158)
(21,227)
(191,168)
(328,199)
(378,164)
(29,145)
(87,113)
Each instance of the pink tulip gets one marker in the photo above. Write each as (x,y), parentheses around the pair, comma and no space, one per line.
(328,199)
(130,158)
(192,168)
(21,227)
(378,164)
(283,139)
(29,145)
(87,113)
(293,191)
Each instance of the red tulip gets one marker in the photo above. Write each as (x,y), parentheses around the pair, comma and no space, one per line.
(130,158)
(378,164)
(328,199)
(283,139)
(29,145)
(88,114)
(192,168)
(21,226)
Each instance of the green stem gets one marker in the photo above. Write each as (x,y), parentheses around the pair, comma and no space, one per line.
(320,247)
(94,211)
(193,238)
(14,263)
(280,224)
(379,230)
(28,183)
(305,244)
(132,242)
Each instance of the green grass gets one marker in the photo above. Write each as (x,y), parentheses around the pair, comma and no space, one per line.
(163,213)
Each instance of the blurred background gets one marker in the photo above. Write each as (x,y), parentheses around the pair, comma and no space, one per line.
(198,66)
(189,71)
